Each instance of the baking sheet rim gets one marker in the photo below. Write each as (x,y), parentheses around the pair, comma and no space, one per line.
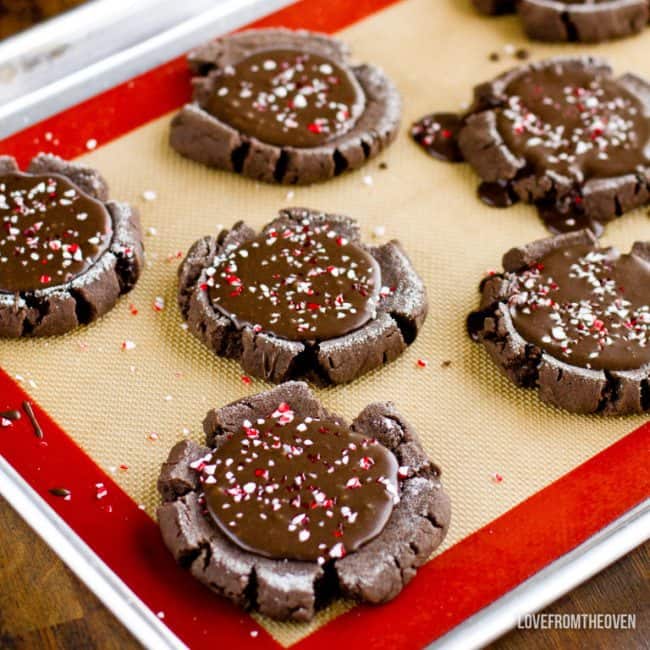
(618,538)
(575,567)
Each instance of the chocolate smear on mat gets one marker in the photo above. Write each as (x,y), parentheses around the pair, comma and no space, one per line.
(437,135)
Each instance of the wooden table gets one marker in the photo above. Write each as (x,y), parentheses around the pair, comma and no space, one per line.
(43,605)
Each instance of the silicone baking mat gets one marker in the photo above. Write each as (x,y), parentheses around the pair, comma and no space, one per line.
(528,482)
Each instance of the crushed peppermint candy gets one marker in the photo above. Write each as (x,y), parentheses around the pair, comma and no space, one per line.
(287,97)
(303,281)
(586,306)
(50,232)
(578,123)
(302,487)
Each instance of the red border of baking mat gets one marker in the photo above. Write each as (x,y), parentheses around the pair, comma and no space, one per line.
(447,590)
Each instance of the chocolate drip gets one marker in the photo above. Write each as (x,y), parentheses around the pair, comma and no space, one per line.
(437,134)
(305,490)
(10,415)
(497,194)
(559,221)
(287,98)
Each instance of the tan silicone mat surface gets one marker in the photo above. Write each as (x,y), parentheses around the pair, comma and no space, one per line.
(473,421)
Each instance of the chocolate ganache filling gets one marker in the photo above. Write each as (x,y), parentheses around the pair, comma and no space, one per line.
(287,98)
(580,125)
(587,307)
(51,232)
(301,282)
(299,489)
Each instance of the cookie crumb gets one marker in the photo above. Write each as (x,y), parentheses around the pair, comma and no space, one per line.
(151,231)
(522,54)
(383,165)
(445,364)
(128,345)
(290,195)
(61,492)
(494,56)
(379,231)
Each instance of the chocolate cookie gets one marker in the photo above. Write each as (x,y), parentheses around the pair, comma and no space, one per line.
(287,507)
(571,319)
(589,21)
(563,134)
(284,106)
(302,299)
(66,252)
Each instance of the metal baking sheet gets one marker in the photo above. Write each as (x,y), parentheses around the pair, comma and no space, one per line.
(71,83)
(93,47)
